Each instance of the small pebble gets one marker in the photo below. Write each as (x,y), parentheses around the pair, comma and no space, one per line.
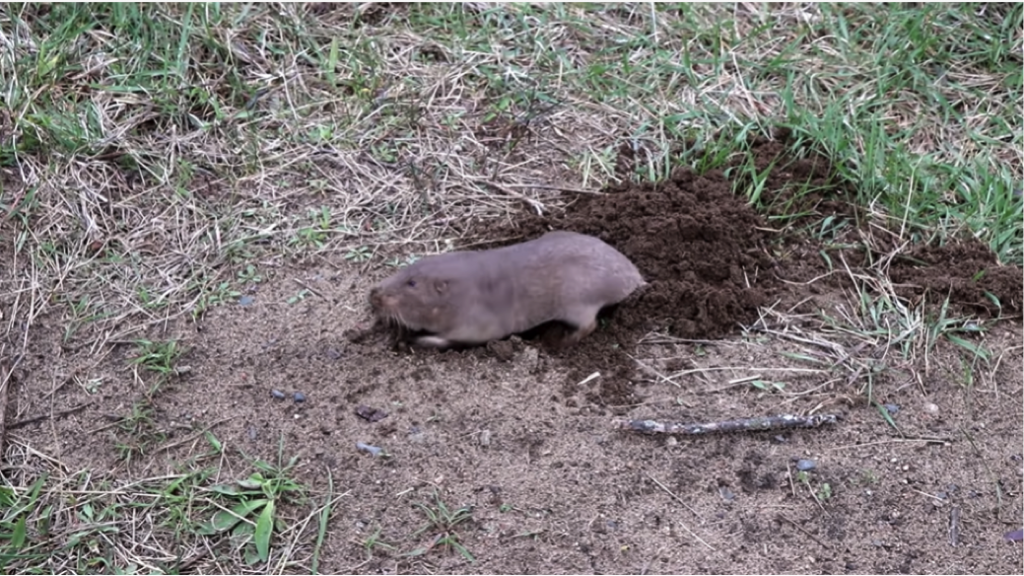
(931,408)
(804,465)
(370,414)
(277,394)
(485,437)
(671,441)
(371,450)
(246,300)
(892,408)
(1014,536)
(417,435)
(726,494)
(299,397)
(530,357)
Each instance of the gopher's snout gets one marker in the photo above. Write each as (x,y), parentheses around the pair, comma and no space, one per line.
(383,302)
(376,300)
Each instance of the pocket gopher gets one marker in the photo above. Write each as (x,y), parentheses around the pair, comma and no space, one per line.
(472,297)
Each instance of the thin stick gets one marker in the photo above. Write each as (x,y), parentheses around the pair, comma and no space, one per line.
(806,533)
(954,526)
(194,436)
(680,500)
(749,368)
(60,414)
(5,382)
(552,187)
(756,424)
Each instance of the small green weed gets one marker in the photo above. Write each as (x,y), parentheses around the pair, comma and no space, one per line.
(92,385)
(249,506)
(157,357)
(441,524)
(138,432)
(148,299)
(315,236)
(83,311)
(16,546)
(956,331)
(768,386)
(397,262)
(822,493)
(374,542)
(359,254)
(249,275)
(218,294)
(868,477)
(299,297)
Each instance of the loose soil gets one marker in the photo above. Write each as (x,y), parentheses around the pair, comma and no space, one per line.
(522,432)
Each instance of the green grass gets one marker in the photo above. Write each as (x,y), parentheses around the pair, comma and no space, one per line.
(249,512)
(157,158)
(440,528)
(176,516)
(157,357)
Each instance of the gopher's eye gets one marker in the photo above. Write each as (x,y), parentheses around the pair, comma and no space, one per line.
(411,283)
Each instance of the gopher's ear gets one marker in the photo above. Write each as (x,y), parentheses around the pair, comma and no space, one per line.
(441,286)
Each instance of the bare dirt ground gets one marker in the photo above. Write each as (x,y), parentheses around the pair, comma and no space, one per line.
(739,321)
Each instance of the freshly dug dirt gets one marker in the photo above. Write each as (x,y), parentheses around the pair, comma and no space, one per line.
(964,271)
(699,246)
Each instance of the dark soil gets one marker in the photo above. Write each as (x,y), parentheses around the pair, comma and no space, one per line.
(523,432)
(698,246)
(695,242)
(707,256)
(964,271)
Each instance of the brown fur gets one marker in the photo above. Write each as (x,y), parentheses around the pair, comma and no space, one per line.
(472,297)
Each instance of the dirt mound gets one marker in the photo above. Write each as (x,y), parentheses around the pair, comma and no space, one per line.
(705,252)
(696,243)
(966,271)
(700,247)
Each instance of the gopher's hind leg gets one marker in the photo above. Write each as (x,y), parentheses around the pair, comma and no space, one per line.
(585,321)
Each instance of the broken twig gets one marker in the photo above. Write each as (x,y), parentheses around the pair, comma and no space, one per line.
(755,424)
(6,381)
(60,414)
